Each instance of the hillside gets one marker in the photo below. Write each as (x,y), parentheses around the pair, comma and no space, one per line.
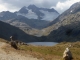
(12,54)
(32,16)
(30,19)
(69,29)
(29,52)
(6,30)
(66,27)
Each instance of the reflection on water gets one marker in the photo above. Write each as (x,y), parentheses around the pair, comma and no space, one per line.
(43,43)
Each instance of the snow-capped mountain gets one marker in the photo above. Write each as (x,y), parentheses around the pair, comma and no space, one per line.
(33,12)
(29,19)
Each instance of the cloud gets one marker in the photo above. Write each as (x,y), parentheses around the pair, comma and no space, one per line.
(62,6)
(2,8)
(20,3)
(13,5)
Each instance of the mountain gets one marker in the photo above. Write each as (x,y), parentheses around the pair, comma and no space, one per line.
(10,17)
(30,26)
(66,27)
(33,12)
(6,15)
(72,10)
(6,30)
(30,19)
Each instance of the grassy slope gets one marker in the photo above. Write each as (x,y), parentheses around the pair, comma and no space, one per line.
(53,52)
(50,53)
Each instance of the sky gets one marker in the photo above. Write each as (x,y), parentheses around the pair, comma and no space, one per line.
(15,5)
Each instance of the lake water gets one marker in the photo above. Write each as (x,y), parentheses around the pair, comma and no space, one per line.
(43,43)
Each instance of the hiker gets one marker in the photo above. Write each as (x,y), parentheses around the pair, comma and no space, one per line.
(67,54)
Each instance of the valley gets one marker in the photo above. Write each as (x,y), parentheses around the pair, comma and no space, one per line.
(36,24)
(65,27)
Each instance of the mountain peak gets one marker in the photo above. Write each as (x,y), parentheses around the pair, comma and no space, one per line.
(75,7)
(32,7)
(23,10)
(34,12)
(24,7)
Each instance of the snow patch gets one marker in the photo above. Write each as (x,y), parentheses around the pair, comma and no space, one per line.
(71,11)
(29,15)
(49,16)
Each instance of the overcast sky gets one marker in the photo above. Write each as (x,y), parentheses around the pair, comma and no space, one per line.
(15,5)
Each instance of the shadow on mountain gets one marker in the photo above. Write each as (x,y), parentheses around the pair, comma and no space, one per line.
(6,30)
(69,33)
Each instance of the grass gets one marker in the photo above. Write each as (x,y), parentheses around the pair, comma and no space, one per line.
(3,40)
(51,52)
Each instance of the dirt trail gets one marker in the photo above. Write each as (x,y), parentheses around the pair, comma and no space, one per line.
(12,55)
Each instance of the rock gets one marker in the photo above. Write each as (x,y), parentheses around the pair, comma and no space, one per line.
(67,54)
(13,44)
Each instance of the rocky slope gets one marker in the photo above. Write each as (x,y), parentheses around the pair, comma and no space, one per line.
(67,26)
